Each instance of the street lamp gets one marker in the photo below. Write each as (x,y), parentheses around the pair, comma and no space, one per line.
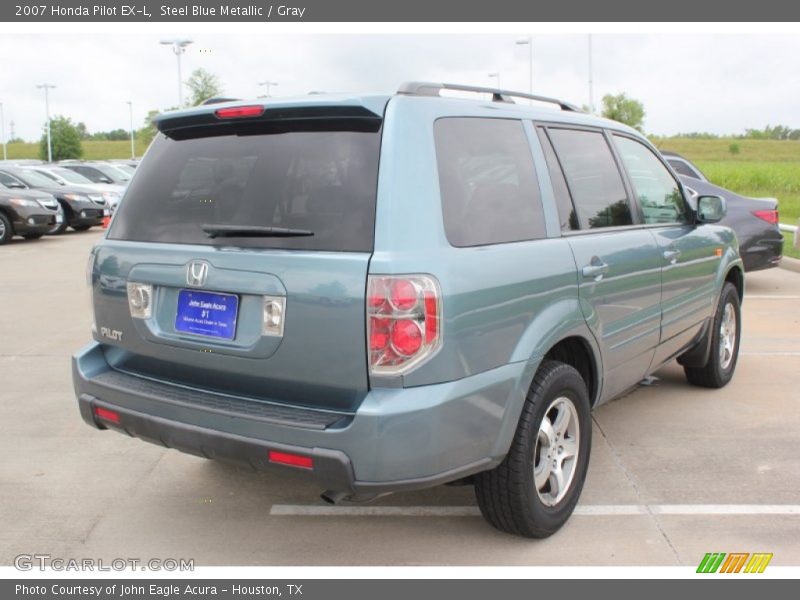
(591,85)
(178,47)
(3,131)
(528,41)
(46,87)
(497,76)
(133,150)
(267,84)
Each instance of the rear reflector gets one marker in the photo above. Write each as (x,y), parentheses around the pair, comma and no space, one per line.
(238,112)
(106,415)
(293,460)
(770,216)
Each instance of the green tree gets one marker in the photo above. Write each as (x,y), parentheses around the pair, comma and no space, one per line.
(623,109)
(203,85)
(82,131)
(65,139)
(734,148)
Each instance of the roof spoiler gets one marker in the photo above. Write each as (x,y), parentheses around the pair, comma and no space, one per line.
(193,122)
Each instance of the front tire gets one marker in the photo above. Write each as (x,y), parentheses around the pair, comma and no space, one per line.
(6,231)
(81,227)
(60,228)
(725,335)
(534,490)
(32,236)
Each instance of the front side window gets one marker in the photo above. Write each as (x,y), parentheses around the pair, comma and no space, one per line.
(657,191)
(594,180)
(490,194)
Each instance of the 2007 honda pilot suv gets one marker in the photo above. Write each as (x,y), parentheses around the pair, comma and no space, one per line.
(396,292)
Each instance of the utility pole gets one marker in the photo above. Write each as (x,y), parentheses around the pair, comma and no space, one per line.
(591,89)
(528,42)
(47,87)
(133,150)
(178,47)
(267,84)
(3,131)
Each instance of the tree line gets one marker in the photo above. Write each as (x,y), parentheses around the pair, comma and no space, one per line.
(67,136)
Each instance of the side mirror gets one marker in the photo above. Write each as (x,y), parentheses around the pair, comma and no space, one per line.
(710,209)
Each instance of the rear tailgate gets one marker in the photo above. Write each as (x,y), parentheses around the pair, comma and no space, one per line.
(300,196)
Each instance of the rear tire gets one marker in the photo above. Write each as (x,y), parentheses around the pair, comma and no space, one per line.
(6,231)
(81,227)
(726,332)
(521,495)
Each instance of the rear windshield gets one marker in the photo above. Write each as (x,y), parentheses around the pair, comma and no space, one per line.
(319,181)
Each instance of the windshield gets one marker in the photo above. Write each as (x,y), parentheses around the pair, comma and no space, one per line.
(32,178)
(70,176)
(113,172)
(324,182)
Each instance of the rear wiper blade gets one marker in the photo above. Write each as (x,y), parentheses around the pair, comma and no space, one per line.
(215,231)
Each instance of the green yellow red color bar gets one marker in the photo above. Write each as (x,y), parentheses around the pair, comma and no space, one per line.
(753,563)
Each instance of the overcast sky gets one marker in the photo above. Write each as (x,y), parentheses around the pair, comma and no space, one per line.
(719,83)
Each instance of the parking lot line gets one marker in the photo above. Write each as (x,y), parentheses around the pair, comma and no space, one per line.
(770,297)
(768,353)
(602,510)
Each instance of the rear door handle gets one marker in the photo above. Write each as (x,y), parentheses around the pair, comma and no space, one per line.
(595,270)
(672,255)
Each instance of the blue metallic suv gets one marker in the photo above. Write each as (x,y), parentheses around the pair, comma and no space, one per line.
(396,292)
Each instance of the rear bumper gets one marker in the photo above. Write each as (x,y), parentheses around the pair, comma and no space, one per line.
(399,439)
(762,253)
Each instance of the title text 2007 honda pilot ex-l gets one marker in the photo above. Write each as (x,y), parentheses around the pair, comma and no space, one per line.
(396,292)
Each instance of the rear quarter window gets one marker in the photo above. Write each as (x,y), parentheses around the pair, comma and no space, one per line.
(487,180)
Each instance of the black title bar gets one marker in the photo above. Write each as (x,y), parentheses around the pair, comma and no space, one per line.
(398,11)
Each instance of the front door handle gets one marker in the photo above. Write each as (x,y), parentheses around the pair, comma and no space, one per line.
(595,270)
(672,255)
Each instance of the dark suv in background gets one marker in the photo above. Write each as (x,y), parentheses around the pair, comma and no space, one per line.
(25,213)
(81,208)
(755,220)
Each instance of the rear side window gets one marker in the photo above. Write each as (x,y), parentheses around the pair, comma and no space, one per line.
(566,212)
(324,182)
(683,169)
(490,194)
(658,193)
(593,178)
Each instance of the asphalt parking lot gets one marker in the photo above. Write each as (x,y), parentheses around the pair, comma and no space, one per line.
(676,471)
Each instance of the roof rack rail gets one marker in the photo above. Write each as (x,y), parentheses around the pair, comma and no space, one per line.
(218,100)
(424,88)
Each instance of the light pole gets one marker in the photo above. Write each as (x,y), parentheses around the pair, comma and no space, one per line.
(178,47)
(46,87)
(3,131)
(496,75)
(133,150)
(267,84)
(528,41)
(591,90)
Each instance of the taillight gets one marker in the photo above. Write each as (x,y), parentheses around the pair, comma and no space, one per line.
(403,321)
(238,112)
(770,216)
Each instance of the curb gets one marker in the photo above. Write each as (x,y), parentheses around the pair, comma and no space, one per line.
(790,264)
